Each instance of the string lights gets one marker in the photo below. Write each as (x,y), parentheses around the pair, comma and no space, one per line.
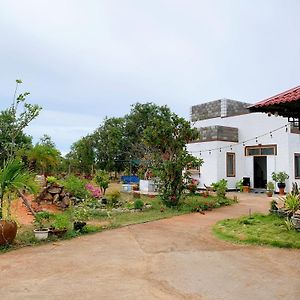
(269,133)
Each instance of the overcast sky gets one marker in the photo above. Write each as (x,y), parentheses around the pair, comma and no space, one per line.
(84,60)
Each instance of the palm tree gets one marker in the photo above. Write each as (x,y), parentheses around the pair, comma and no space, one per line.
(43,157)
(14,179)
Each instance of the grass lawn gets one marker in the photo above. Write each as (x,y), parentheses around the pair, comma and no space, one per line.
(259,230)
(101,220)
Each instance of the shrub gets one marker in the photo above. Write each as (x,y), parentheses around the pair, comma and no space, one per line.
(280,177)
(41,219)
(95,191)
(76,187)
(113,197)
(270,186)
(220,187)
(80,213)
(239,185)
(292,203)
(52,179)
(138,204)
(61,221)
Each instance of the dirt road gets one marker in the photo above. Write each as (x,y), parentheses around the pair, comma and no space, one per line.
(176,258)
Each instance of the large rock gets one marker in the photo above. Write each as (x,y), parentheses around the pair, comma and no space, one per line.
(54,190)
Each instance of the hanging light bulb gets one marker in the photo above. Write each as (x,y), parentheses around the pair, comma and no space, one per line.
(271,134)
(231,147)
(209,152)
(286,128)
(244,144)
(256,140)
(200,152)
(220,150)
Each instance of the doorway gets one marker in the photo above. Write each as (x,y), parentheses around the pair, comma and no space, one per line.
(260,172)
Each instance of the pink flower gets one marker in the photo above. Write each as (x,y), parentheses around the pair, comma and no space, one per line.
(94,190)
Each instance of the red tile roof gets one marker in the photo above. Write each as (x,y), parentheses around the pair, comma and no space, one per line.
(287,96)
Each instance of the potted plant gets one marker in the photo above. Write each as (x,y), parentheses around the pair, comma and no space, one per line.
(14,180)
(280,178)
(41,221)
(60,224)
(239,185)
(270,189)
(292,204)
(80,216)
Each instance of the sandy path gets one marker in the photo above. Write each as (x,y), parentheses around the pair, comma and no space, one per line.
(176,258)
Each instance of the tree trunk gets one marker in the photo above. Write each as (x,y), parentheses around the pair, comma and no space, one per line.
(26,202)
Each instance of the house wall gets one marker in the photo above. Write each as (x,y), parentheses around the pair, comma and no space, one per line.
(249,126)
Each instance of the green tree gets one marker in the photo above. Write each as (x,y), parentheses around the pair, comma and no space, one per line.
(167,136)
(102,180)
(13,121)
(110,145)
(81,158)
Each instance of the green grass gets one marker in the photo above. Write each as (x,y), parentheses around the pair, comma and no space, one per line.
(25,236)
(258,230)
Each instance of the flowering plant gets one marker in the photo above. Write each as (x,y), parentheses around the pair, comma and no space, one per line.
(95,191)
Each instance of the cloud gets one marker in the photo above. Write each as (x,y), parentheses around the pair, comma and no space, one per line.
(96,58)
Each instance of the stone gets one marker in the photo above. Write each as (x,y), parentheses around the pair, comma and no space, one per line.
(54,190)
(56,198)
(66,201)
(47,197)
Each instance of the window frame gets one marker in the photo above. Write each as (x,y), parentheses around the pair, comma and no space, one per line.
(296,155)
(233,162)
(260,147)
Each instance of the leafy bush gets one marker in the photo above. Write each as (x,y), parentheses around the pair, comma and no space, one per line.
(80,213)
(239,185)
(61,221)
(113,197)
(280,177)
(270,186)
(76,187)
(292,203)
(220,187)
(52,179)
(41,219)
(95,191)
(138,204)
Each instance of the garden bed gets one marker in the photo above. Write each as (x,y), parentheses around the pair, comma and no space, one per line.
(100,220)
(259,229)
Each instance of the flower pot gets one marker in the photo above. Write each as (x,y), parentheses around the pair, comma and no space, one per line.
(269,193)
(41,234)
(281,186)
(8,231)
(58,232)
(246,189)
(79,225)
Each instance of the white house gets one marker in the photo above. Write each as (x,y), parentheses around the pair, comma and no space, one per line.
(235,143)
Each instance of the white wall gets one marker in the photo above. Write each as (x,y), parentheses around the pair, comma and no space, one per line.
(250,126)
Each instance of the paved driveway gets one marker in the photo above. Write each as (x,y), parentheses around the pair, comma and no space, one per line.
(176,258)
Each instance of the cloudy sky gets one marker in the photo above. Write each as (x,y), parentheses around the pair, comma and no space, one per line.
(84,60)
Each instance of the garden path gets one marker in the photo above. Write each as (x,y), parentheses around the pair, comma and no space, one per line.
(176,258)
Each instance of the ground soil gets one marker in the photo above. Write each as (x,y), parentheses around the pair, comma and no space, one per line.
(22,214)
(176,258)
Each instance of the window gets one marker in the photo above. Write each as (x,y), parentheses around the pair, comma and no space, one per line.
(261,150)
(297,165)
(230,164)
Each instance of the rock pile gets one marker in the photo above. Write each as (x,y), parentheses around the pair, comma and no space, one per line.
(56,194)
